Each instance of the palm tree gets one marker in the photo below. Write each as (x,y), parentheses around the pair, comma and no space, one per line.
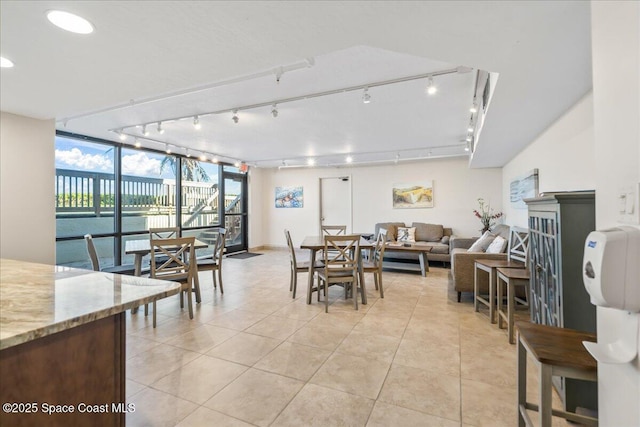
(191,169)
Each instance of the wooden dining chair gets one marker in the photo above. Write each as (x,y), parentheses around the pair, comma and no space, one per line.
(214,262)
(297,266)
(174,260)
(341,267)
(374,263)
(127,269)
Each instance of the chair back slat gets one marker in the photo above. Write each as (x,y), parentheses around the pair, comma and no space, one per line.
(164,233)
(218,249)
(378,252)
(334,230)
(518,244)
(173,259)
(93,255)
(292,251)
(341,253)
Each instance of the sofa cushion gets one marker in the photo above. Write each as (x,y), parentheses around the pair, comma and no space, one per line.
(428,232)
(406,234)
(445,239)
(436,248)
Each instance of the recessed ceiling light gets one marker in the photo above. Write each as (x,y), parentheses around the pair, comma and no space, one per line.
(5,63)
(69,22)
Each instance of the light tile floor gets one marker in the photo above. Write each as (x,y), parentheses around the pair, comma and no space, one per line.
(256,357)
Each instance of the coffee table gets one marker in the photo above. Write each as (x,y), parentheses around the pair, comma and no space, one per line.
(420,248)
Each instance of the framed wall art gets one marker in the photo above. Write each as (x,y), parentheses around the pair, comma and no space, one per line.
(289,197)
(413,195)
(523,187)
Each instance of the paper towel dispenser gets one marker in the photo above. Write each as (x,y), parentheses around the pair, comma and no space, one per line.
(611,268)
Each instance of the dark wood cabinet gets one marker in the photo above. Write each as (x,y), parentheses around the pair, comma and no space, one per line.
(559,224)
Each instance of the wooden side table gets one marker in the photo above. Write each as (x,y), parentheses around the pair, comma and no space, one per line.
(489,266)
(557,351)
(511,277)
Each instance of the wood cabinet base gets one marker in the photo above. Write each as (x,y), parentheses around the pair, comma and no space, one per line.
(81,369)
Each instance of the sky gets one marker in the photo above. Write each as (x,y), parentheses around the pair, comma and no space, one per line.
(92,157)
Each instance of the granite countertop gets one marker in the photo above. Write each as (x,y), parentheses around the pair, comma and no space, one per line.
(37,300)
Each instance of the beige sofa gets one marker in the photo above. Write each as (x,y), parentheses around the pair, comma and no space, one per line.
(463,262)
(433,235)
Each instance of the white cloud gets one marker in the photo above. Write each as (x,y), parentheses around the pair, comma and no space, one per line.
(141,165)
(79,160)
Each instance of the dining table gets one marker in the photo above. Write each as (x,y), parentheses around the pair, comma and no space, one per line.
(315,244)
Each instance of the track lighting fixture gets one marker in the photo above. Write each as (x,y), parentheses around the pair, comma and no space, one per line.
(311,161)
(235,117)
(122,135)
(167,149)
(470,129)
(474,108)
(397,158)
(196,123)
(468,139)
(203,157)
(431,87)
(188,154)
(236,164)
(349,159)
(466,148)
(160,130)
(274,110)
(214,159)
(145,132)
(366,98)
(137,143)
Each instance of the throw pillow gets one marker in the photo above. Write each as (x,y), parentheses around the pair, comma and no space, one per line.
(482,243)
(392,232)
(445,239)
(407,234)
(497,246)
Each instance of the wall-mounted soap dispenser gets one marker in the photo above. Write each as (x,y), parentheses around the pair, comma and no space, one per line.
(611,274)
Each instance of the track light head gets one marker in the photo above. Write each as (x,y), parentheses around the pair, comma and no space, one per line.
(160,130)
(474,108)
(349,159)
(235,117)
(274,110)
(137,143)
(122,135)
(311,161)
(196,123)
(145,132)
(214,159)
(188,153)
(203,157)
(470,129)
(167,149)
(431,87)
(366,98)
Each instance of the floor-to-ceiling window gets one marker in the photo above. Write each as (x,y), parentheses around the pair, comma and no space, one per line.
(116,193)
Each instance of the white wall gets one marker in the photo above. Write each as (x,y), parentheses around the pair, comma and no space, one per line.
(615,38)
(564,156)
(27,171)
(456,190)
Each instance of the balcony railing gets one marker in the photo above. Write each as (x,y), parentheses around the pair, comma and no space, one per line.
(93,194)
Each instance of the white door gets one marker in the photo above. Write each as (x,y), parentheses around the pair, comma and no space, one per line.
(335,201)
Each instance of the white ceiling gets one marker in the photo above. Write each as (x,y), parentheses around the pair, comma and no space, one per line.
(144,51)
